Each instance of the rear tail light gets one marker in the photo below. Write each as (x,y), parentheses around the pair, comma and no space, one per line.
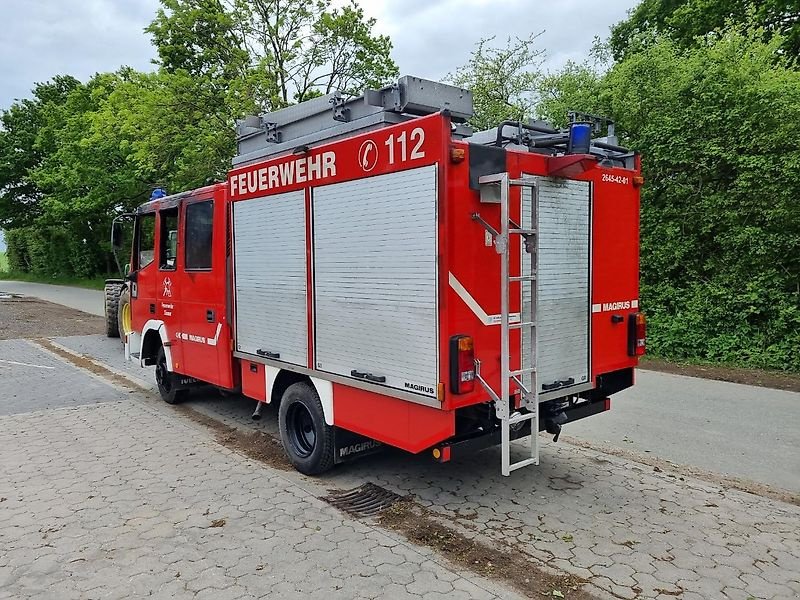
(637,334)
(462,364)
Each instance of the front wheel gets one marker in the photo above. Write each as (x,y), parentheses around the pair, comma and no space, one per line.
(166,381)
(124,314)
(306,438)
(111,293)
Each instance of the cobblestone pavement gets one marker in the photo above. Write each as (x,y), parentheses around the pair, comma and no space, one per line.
(631,530)
(127,499)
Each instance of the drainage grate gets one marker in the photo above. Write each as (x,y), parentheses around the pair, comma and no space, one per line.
(364,501)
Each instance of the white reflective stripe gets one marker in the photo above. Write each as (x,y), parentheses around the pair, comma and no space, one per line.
(596,308)
(634,304)
(476,308)
(469,300)
(213,342)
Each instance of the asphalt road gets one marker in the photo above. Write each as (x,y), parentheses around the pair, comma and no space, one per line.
(90,301)
(726,428)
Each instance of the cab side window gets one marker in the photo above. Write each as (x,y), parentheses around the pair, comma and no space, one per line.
(199,234)
(146,240)
(168,243)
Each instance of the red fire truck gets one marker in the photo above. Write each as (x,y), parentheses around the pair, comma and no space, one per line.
(388,276)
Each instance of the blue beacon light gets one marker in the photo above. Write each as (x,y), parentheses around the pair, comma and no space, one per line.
(580,138)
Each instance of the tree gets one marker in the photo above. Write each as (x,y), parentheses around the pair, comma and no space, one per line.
(577,87)
(200,38)
(503,80)
(277,51)
(684,20)
(22,150)
(717,125)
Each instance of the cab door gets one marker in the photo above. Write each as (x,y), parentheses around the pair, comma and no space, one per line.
(168,290)
(144,273)
(204,332)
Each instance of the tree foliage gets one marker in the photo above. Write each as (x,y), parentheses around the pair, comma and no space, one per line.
(717,124)
(682,21)
(76,154)
(503,80)
(22,150)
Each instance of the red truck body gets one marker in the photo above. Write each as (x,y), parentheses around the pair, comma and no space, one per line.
(200,295)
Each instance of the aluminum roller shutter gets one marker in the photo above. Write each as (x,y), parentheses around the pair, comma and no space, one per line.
(563,287)
(270,268)
(375,278)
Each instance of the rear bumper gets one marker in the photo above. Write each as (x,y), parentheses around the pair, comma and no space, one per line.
(458,447)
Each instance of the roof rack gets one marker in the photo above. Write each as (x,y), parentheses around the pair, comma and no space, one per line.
(542,138)
(332,116)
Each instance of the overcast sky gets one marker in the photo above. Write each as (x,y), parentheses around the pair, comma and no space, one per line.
(42,38)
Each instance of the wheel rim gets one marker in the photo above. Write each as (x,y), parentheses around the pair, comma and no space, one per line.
(162,376)
(126,319)
(300,425)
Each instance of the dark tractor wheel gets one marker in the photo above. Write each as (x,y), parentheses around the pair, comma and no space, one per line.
(124,313)
(111,292)
(166,381)
(306,438)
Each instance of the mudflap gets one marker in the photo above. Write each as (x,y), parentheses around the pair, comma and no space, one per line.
(348,445)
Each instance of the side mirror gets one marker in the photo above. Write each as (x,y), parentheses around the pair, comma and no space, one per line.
(116,235)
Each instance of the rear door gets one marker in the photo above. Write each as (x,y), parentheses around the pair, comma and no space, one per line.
(563,290)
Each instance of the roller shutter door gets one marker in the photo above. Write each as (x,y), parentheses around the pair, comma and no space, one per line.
(375,279)
(270,271)
(563,284)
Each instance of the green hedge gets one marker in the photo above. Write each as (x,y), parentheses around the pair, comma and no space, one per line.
(57,251)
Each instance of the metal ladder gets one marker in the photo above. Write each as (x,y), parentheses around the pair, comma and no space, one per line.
(496,189)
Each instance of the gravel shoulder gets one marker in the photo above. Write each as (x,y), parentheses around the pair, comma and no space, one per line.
(28,317)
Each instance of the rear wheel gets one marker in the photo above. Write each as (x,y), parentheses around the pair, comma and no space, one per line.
(306,438)
(166,381)
(111,292)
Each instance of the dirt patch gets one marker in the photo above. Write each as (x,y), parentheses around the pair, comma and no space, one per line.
(671,469)
(87,364)
(24,317)
(768,379)
(509,565)
(253,444)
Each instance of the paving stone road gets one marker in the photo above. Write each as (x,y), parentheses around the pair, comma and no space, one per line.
(125,498)
(630,530)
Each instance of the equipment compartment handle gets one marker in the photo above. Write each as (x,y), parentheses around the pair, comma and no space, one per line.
(268,354)
(368,376)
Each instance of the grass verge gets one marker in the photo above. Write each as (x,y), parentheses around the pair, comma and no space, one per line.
(96,283)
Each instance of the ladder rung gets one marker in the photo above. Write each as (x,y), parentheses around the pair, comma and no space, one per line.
(520,417)
(521,325)
(523,463)
(522,371)
(523,278)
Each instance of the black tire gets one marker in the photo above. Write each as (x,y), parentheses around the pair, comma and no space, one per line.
(306,438)
(166,381)
(124,299)
(111,292)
